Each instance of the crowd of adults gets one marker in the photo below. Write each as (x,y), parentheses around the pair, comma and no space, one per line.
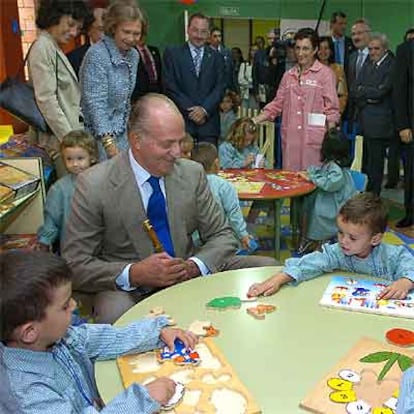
(112,86)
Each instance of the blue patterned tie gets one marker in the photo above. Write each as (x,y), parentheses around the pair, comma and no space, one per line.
(197,59)
(338,57)
(157,214)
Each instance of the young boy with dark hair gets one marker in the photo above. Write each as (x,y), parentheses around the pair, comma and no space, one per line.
(361,221)
(224,193)
(50,364)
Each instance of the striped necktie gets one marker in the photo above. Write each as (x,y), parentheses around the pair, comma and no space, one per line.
(197,59)
(359,62)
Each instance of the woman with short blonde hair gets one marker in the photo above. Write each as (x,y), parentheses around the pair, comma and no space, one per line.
(108,76)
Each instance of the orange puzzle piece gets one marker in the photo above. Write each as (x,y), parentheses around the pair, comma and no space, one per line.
(259,311)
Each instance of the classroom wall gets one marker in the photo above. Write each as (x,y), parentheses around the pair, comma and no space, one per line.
(392,17)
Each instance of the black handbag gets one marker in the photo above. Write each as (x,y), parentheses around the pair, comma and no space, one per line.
(17,97)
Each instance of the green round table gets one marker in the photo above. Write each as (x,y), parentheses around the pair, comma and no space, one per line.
(279,359)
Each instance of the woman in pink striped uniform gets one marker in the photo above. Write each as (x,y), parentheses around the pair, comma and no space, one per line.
(308,102)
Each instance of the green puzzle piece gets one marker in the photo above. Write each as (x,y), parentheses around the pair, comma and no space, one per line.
(224,302)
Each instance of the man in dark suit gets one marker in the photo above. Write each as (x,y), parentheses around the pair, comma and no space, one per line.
(94,29)
(262,82)
(217,45)
(149,76)
(343,44)
(404,118)
(360,37)
(113,259)
(194,79)
(373,96)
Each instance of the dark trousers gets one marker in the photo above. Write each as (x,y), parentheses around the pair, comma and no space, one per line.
(376,150)
(394,157)
(409,179)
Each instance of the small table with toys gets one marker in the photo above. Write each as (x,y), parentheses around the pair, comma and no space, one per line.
(279,354)
(273,186)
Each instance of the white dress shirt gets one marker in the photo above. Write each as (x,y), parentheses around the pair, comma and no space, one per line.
(141,177)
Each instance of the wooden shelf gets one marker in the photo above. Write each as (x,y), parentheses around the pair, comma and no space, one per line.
(14,209)
(25,215)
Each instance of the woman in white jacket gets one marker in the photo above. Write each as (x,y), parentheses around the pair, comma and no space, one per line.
(245,78)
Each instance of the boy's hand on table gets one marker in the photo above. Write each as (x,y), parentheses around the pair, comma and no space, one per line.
(304,175)
(269,286)
(158,270)
(397,290)
(161,389)
(169,335)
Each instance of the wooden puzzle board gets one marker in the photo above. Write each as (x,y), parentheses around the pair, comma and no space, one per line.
(360,295)
(369,389)
(211,387)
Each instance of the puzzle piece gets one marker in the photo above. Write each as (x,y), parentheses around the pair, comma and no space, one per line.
(180,356)
(159,311)
(176,398)
(211,331)
(400,337)
(225,302)
(260,311)
(203,328)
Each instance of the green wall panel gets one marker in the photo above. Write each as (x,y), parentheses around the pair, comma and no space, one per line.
(392,17)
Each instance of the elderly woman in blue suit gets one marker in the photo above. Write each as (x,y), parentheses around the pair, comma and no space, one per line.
(108,76)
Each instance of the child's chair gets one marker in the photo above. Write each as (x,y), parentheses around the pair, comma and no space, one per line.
(358,150)
(360,180)
(267,141)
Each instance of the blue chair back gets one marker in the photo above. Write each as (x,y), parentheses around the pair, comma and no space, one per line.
(360,180)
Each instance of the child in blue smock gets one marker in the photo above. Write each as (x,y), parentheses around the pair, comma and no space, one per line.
(48,364)
(187,146)
(240,148)
(334,187)
(79,151)
(361,222)
(228,114)
(223,192)
(406,396)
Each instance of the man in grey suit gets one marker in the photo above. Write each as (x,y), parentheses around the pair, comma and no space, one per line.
(111,255)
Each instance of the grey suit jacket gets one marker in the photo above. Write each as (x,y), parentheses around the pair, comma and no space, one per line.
(56,89)
(105,232)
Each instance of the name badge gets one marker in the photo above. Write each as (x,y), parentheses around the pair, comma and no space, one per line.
(316,119)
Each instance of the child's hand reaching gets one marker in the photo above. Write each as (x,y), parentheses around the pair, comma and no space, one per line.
(249,160)
(269,286)
(169,335)
(397,290)
(304,175)
(161,389)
